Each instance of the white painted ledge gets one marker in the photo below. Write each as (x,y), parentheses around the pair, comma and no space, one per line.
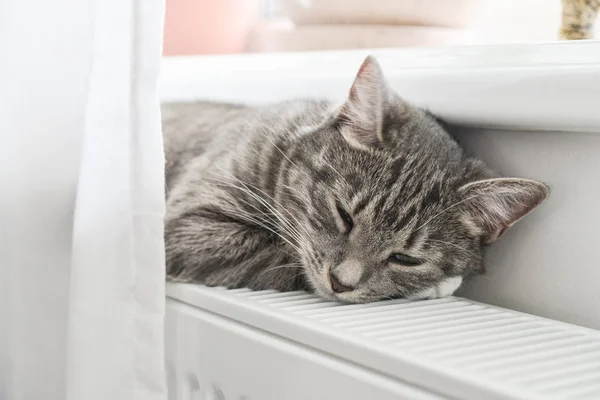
(553,86)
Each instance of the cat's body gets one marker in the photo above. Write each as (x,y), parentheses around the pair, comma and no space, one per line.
(226,158)
(368,201)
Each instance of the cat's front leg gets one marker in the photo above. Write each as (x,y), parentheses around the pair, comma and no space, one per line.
(204,245)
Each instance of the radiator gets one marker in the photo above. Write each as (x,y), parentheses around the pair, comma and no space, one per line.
(266,345)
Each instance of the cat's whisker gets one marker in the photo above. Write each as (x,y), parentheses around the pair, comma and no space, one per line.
(292,277)
(245,190)
(252,218)
(272,221)
(267,224)
(285,266)
(290,255)
(297,194)
(249,218)
(285,229)
(269,205)
(276,212)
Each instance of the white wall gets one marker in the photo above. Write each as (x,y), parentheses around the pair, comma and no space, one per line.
(549,263)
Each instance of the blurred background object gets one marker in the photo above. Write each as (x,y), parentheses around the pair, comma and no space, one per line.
(578,18)
(350,24)
(208,26)
(280,37)
(446,13)
(234,26)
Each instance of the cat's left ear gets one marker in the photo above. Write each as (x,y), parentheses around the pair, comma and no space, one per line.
(361,117)
(491,206)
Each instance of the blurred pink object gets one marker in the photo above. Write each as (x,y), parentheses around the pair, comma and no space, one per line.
(284,37)
(208,26)
(442,13)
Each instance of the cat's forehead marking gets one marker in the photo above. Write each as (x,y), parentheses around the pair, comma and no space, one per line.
(360,200)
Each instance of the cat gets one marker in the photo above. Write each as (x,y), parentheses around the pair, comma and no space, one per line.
(364,201)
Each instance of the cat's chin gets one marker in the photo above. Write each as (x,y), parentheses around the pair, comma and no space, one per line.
(323,291)
(353,298)
(326,292)
(445,288)
(346,297)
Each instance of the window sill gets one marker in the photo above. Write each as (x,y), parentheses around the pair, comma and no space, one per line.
(553,86)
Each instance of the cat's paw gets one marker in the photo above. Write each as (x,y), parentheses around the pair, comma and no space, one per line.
(443,289)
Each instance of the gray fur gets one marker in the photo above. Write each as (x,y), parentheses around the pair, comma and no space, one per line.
(252,196)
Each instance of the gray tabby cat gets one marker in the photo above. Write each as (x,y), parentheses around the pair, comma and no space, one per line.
(370,200)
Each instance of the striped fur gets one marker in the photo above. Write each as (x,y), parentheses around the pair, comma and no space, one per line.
(253,196)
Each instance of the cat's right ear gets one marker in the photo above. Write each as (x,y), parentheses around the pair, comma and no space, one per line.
(360,119)
(491,206)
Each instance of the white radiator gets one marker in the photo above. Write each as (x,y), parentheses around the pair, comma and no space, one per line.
(240,344)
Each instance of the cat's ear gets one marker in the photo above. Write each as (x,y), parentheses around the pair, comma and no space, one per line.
(492,206)
(360,119)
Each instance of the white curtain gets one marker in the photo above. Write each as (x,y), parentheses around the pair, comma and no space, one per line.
(81,200)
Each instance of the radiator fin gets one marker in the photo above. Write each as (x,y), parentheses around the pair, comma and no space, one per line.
(528,356)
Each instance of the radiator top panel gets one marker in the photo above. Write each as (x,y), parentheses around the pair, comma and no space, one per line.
(475,351)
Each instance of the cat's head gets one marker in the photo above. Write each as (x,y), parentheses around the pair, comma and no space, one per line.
(389,204)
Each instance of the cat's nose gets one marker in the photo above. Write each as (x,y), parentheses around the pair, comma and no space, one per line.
(337,286)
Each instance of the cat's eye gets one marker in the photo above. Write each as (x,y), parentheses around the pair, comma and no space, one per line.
(346,218)
(403,259)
